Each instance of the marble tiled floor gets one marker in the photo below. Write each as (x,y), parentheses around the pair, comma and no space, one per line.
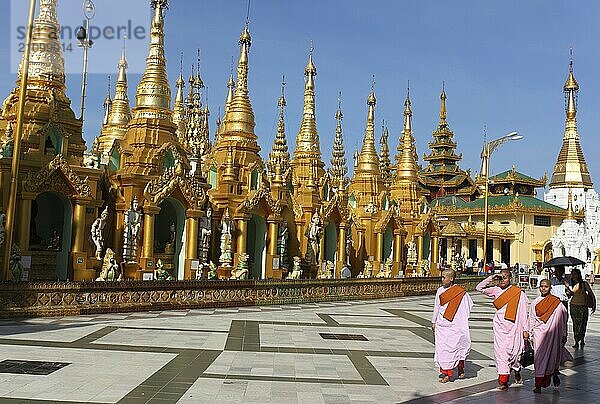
(269,354)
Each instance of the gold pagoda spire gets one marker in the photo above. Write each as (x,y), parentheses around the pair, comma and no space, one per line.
(338,170)
(307,140)
(385,164)
(239,118)
(443,105)
(230,92)
(571,168)
(179,112)
(406,166)
(107,104)
(368,161)
(120,112)
(279,158)
(153,97)
(46,62)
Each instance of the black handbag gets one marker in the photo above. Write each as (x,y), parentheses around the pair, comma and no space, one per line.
(527,355)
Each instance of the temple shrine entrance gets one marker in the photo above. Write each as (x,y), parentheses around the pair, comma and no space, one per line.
(388,243)
(256,245)
(169,236)
(50,236)
(330,242)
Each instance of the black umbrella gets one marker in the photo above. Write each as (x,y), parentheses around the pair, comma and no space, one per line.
(563,261)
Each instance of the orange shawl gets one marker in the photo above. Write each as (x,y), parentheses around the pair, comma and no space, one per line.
(546,307)
(453,296)
(511,298)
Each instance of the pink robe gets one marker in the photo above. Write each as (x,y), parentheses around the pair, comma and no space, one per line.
(452,339)
(508,336)
(550,352)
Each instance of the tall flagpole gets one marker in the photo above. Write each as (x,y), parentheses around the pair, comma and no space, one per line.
(16,154)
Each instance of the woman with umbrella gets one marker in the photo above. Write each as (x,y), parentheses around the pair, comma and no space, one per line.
(583,297)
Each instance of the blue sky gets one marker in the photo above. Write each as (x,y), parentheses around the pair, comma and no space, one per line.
(504,65)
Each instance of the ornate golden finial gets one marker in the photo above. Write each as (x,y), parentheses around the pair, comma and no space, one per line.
(230,92)
(279,158)
(46,62)
(239,117)
(307,141)
(407,112)
(443,105)
(107,104)
(153,97)
(368,161)
(339,170)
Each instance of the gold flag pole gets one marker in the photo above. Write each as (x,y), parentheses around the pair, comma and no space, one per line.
(16,154)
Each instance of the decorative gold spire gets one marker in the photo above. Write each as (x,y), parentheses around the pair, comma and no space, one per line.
(307,140)
(406,166)
(153,97)
(571,168)
(443,105)
(46,62)
(107,104)
(385,164)
(338,170)
(230,92)
(368,161)
(120,112)
(179,112)
(279,158)
(239,118)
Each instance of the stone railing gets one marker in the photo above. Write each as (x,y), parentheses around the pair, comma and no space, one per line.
(32,299)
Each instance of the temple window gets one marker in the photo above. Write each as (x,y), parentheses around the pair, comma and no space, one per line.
(114,162)
(254,180)
(168,161)
(543,221)
(352,201)
(212,177)
(53,142)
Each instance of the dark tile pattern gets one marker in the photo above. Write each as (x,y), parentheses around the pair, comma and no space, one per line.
(21,367)
(343,337)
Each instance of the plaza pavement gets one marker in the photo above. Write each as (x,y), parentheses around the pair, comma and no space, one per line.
(344,352)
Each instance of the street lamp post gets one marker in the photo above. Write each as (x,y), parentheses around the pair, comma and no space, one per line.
(16,154)
(488,149)
(84,41)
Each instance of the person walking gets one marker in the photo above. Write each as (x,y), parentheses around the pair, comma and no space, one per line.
(559,285)
(450,324)
(582,298)
(548,326)
(469,265)
(510,325)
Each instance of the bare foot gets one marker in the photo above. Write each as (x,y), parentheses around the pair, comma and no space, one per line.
(502,387)
(537,390)
(445,379)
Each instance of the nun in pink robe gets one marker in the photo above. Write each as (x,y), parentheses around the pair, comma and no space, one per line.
(549,343)
(452,338)
(508,335)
